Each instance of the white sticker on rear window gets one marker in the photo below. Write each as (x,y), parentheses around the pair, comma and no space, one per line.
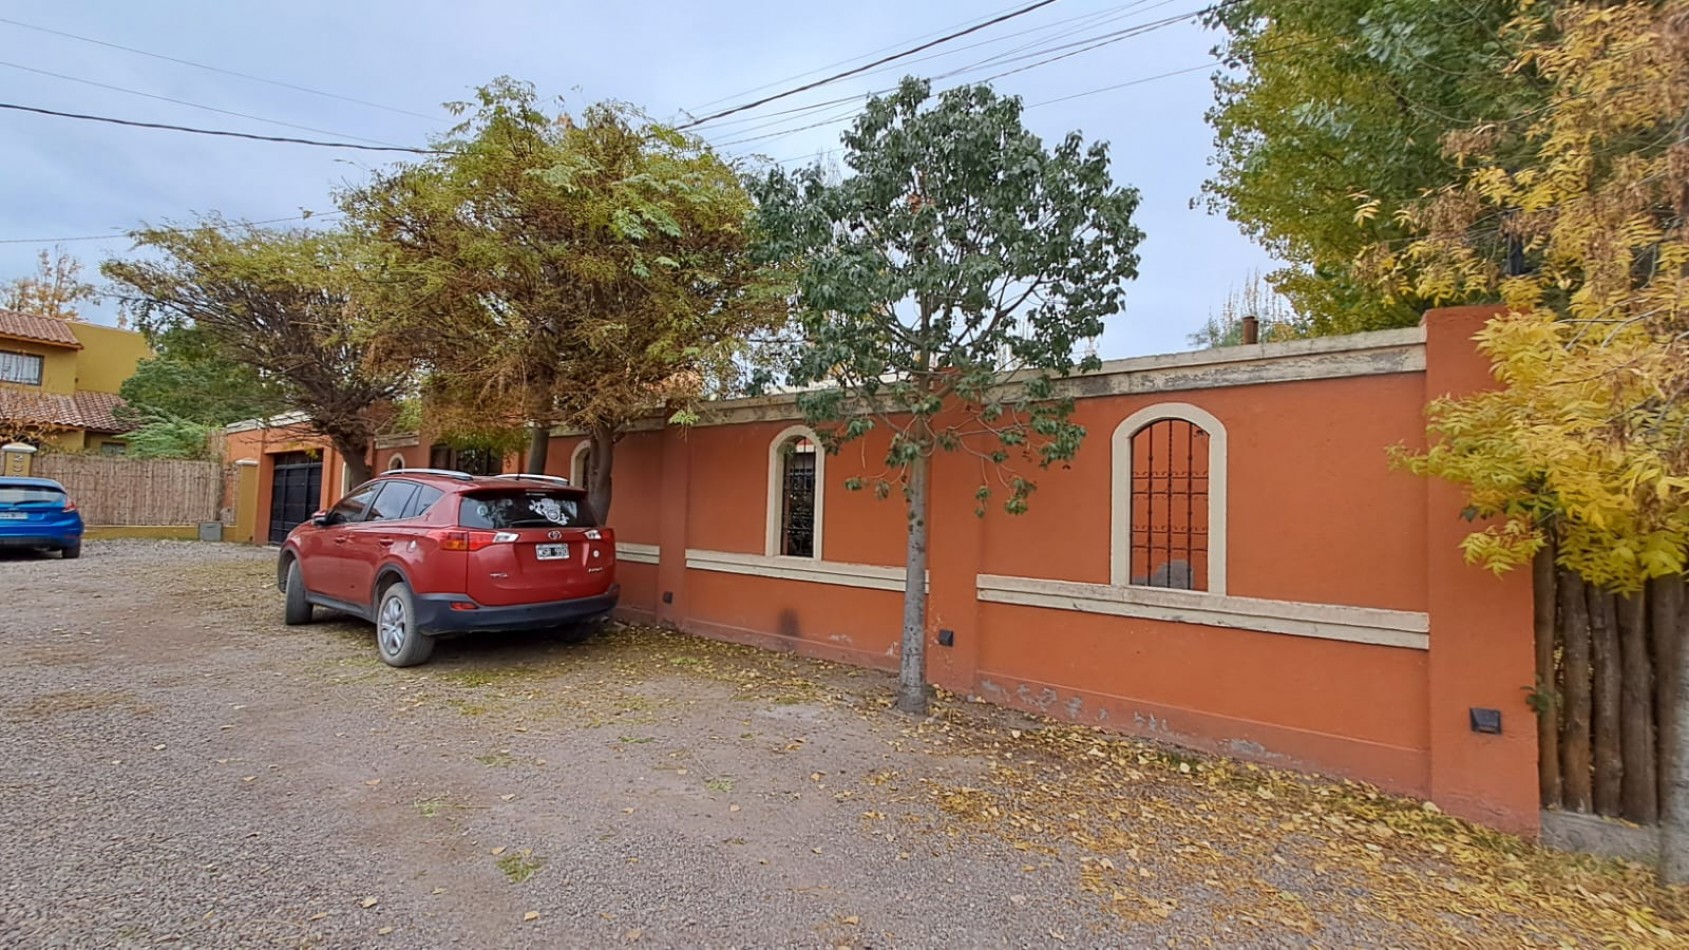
(549,509)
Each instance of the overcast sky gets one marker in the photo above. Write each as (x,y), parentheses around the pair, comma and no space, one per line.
(68,178)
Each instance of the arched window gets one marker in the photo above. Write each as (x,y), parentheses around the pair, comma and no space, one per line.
(795,481)
(1169,518)
(578,462)
(395,462)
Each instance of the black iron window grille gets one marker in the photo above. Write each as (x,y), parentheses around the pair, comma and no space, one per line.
(797,498)
(1170,505)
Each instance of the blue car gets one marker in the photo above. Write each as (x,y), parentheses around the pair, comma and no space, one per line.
(38,513)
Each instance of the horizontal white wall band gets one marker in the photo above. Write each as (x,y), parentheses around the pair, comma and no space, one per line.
(1372,625)
(638,553)
(838,573)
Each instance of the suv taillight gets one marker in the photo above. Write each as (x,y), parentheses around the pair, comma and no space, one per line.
(70,505)
(470,540)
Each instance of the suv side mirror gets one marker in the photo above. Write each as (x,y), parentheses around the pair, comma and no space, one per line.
(323,519)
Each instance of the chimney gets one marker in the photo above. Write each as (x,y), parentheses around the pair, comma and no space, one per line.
(1251,330)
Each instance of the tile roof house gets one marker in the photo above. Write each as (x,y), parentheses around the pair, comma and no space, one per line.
(59,381)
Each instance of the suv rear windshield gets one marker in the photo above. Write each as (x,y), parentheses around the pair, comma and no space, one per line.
(524,508)
(30,495)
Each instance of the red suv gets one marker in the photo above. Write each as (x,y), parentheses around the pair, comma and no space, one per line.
(424,552)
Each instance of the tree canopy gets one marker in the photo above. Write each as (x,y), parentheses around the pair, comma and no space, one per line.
(956,250)
(1324,100)
(284,303)
(1589,437)
(54,290)
(548,271)
(189,378)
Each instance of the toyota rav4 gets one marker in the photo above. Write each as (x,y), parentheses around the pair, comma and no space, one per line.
(423,553)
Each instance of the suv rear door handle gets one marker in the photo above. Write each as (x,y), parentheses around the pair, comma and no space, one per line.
(385,542)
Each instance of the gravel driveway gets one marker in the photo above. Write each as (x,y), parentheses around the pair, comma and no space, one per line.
(178,768)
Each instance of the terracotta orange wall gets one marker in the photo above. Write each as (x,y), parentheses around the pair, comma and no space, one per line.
(727,498)
(1347,708)
(1310,493)
(1315,514)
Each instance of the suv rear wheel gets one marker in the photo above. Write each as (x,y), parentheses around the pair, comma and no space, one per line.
(396,636)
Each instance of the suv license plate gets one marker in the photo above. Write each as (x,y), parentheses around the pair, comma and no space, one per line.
(551,552)
(13,516)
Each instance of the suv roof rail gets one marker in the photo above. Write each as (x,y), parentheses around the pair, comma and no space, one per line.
(448,473)
(544,478)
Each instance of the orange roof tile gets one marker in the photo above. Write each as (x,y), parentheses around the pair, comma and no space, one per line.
(25,326)
(95,412)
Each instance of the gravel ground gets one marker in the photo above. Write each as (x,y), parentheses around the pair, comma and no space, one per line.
(179,768)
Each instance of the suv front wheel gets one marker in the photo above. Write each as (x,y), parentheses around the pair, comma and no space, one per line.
(396,636)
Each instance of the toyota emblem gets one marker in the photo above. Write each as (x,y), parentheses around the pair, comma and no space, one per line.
(553,535)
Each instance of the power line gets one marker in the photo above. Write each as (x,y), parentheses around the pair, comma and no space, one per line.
(1130,82)
(771,119)
(1083,46)
(218,69)
(1092,19)
(1034,105)
(184,102)
(215,227)
(1022,11)
(834,65)
(220,132)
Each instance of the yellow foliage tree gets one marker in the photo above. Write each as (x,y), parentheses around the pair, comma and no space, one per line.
(1573,216)
(1590,432)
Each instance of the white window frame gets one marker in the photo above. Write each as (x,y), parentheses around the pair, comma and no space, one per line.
(1120,526)
(395,461)
(773,515)
(23,360)
(577,462)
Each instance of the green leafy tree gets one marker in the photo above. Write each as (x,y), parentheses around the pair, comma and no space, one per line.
(941,287)
(161,436)
(287,304)
(187,378)
(1330,99)
(543,271)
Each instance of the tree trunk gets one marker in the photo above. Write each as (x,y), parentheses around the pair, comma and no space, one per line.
(539,448)
(1665,601)
(1548,700)
(1636,722)
(356,457)
(1574,742)
(912,671)
(600,459)
(1604,650)
(1671,617)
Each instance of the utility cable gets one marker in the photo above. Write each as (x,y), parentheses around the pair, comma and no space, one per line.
(220,132)
(218,69)
(1022,11)
(1083,46)
(184,102)
(215,227)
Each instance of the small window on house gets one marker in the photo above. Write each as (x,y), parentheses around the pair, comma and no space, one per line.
(1169,505)
(24,368)
(797,497)
(113,448)
(396,462)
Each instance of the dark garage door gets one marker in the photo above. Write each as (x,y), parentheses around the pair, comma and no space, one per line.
(296,493)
